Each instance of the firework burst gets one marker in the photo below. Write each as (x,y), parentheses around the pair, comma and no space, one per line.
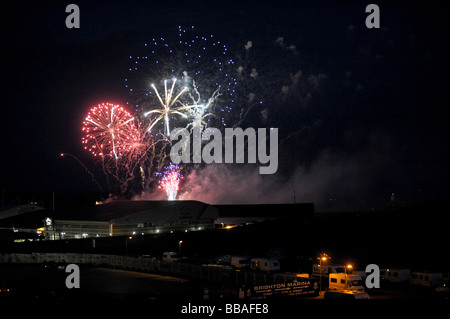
(199,78)
(109,131)
(170,181)
(170,105)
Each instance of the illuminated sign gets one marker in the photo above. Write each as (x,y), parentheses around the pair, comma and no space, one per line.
(48,221)
(309,286)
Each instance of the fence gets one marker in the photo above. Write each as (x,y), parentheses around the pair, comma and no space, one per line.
(195,272)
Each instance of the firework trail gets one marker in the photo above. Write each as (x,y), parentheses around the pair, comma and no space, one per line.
(85,168)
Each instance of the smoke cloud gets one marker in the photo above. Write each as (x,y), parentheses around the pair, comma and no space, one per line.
(329,181)
(334,181)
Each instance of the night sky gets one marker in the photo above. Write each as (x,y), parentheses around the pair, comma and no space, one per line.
(368,118)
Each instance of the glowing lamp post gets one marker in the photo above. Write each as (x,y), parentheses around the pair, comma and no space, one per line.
(322,258)
(348,268)
(179,247)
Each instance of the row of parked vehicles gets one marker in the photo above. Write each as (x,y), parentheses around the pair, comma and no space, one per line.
(400,275)
(339,282)
(236,262)
(262,264)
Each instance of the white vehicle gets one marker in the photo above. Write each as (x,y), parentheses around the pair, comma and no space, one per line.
(345,294)
(340,281)
(326,269)
(264,264)
(170,257)
(395,274)
(240,262)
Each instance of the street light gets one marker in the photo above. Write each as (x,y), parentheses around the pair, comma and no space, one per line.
(322,258)
(179,247)
(350,269)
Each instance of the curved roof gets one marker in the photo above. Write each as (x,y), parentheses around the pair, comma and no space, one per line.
(157,212)
(15,210)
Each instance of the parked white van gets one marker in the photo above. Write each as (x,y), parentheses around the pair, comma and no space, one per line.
(340,281)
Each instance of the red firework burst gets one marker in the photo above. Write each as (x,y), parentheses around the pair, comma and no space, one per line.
(109,131)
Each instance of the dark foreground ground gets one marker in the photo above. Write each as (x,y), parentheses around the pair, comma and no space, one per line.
(32,282)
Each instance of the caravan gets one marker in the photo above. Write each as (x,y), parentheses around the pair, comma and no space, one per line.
(264,264)
(427,279)
(395,274)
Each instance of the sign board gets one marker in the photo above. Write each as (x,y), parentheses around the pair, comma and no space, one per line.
(306,287)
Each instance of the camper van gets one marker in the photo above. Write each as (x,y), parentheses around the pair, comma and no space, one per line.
(264,264)
(342,281)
